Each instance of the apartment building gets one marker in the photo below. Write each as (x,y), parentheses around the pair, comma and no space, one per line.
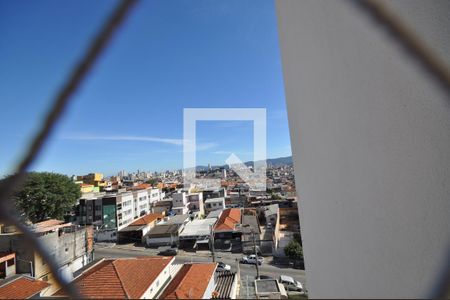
(180,203)
(195,203)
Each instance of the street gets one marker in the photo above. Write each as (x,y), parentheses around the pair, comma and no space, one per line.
(274,271)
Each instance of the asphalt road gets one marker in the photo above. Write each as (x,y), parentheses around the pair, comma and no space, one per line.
(228,258)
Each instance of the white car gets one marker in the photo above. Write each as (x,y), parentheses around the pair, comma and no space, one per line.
(251,259)
(221,267)
(290,284)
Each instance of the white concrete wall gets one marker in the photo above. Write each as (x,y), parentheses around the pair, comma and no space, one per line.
(155,288)
(210,288)
(127,210)
(370,134)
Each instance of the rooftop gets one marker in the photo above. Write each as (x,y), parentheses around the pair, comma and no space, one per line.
(198,227)
(120,278)
(214,214)
(21,287)
(215,200)
(190,282)
(228,220)
(250,223)
(224,285)
(266,286)
(147,219)
(163,229)
(177,219)
(270,209)
(49,225)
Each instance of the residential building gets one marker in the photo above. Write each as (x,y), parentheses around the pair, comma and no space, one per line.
(140,202)
(197,234)
(271,233)
(70,245)
(227,231)
(135,232)
(180,203)
(193,281)
(125,278)
(214,193)
(162,235)
(22,287)
(162,206)
(214,204)
(250,230)
(154,195)
(196,204)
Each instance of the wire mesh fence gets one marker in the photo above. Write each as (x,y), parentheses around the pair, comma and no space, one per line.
(392,25)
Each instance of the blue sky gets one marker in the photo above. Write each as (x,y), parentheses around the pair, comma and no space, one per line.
(128,114)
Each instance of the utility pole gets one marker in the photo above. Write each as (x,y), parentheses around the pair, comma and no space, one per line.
(212,244)
(256,254)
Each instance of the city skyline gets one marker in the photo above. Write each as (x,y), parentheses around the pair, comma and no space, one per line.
(129,112)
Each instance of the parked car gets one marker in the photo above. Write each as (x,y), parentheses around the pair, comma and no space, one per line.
(168,252)
(251,259)
(290,284)
(222,267)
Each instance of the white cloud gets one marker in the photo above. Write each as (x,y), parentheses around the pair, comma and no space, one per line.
(124,138)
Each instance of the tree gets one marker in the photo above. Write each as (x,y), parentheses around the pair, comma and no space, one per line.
(46,195)
(293,250)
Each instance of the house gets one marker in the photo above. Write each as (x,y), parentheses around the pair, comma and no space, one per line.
(193,281)
(163,206)
(250,230)
(196,234)
(7,264)
(214,204)
(227,231)
(70,245)
(180,203)
(271,232)
(135,232)
(125,278)
(196,204)
(22,287)
(162,235)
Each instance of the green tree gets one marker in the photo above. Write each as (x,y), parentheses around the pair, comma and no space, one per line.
(46,195)
(293,250)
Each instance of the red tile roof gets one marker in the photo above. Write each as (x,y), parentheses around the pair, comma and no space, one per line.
(22,288)
(190,282)
(141,186)
(147,219)
(49,225)
(120,278)
(228,219)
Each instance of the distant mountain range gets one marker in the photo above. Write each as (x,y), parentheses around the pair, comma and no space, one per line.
(271,161)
